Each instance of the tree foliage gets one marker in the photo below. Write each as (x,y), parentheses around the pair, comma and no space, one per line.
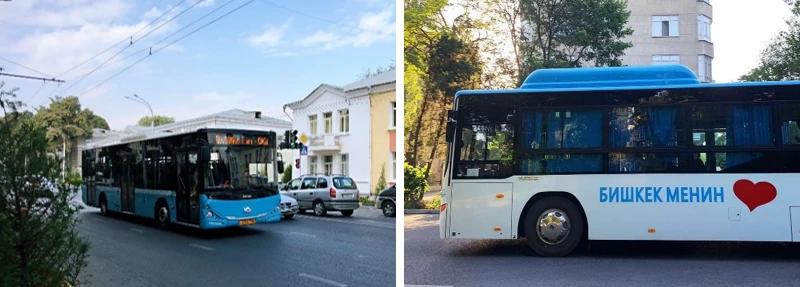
(414,184)
(64,121)
(158,120)
(287,174)
(39,243)
(565,34)
(381,185)
(780,60)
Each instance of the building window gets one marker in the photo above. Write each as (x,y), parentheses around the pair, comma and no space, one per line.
(704,67)
(328,122)
(666,60)
(392,165)
(703,28)
(327,164)
(665,26)
(312,164)
(393,120)
(312,121)
(344,121)
(345,166)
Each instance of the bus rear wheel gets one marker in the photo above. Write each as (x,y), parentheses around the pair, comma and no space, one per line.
(162,216)
(554,227)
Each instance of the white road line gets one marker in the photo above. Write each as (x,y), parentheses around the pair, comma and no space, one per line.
(302,234)
(201,247)
(323,280)
(137,230)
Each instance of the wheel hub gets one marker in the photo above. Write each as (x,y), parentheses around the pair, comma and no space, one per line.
(553,226)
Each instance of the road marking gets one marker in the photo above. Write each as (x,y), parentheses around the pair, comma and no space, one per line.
(323,280)
(98,219)
(201,247)
(303,234)
(137,230)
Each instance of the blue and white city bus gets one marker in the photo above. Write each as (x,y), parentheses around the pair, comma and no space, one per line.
(623,153)
(205,178)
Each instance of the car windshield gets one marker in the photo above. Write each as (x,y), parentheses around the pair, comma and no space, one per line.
(239,167)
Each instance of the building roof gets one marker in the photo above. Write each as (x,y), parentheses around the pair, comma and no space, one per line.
(387,77)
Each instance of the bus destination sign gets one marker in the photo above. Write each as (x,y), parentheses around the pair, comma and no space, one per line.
(238,139)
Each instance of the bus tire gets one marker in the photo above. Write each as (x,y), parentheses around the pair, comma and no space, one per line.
(103,205)
(162,215)
(563,227)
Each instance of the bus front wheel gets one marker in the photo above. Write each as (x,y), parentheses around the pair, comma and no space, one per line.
(554,227)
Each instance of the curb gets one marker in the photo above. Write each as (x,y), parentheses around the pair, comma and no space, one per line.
(421,211)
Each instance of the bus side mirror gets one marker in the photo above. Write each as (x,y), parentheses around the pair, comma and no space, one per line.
(450,132)
(205,154)
(280,166)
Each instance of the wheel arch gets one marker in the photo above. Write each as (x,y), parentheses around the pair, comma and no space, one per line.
(539,196)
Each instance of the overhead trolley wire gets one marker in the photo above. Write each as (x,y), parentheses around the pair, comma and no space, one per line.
(173,42)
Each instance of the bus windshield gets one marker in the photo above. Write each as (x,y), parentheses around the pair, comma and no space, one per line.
(240,168)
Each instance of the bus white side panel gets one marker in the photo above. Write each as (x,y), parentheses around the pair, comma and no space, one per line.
(480,210)
(794,212)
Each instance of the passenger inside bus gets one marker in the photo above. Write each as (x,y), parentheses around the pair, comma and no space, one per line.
(696,164)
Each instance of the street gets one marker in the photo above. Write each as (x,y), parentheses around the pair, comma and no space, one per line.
(307,250)
(431,261)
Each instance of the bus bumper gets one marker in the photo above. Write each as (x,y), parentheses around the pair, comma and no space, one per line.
(219,222)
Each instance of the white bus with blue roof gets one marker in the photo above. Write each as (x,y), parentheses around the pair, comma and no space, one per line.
(623,153)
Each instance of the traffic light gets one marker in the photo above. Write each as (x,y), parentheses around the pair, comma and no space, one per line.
(286,140)
(293,140)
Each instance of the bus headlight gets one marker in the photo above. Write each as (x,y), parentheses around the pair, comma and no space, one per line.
(209,214)
(207,206)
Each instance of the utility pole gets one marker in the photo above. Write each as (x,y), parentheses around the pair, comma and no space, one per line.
(28,77)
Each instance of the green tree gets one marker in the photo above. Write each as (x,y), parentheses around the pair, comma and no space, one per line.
(287,174)
(565,34)
(381,185)
(415,185)
(65,122)
(39,242)
(780,59)
(159,120)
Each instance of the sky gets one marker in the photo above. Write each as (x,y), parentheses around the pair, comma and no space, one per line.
(260,57)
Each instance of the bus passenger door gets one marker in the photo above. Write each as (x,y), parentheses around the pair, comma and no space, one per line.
(187,196)
(480,210)
(126,186)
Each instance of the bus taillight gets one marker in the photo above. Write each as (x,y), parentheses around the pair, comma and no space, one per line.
(443,207)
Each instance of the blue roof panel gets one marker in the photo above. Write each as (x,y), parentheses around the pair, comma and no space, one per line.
(616,79)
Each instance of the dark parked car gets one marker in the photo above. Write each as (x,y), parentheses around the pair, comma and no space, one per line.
(386,201)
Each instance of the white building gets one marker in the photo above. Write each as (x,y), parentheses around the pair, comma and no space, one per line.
(337,125)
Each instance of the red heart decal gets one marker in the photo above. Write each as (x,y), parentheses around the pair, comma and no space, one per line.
(754,194)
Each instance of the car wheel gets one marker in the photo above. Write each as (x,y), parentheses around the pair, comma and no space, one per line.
(288,216)
(319,208)
(388,209)
(554,227)
(162,216)
(346,212)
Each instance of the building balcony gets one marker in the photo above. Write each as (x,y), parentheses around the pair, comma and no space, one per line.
(328,142)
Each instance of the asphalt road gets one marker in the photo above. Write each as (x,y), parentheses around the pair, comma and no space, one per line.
(304,251)
(433,262)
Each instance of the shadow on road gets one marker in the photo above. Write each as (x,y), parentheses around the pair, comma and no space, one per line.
(667,250)
(185,230)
